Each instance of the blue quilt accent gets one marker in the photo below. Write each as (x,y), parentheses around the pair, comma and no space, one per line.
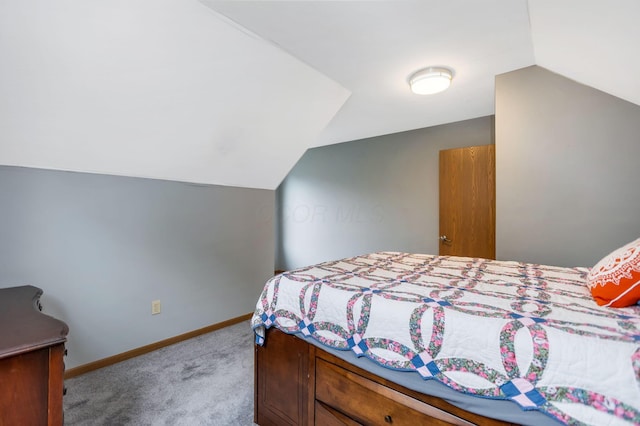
(358,348)
(529,398)
(419,363)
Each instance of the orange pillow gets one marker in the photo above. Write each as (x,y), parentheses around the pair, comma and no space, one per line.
(615,280)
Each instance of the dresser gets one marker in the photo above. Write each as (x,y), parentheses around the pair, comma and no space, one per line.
(31,360)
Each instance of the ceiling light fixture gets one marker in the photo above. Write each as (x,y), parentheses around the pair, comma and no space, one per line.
(430,80)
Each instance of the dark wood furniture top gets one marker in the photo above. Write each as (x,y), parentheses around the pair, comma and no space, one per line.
(297,383)
(24,327)
(31,360)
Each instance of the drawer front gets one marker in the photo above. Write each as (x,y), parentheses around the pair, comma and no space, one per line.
(371,403)
(327,416)
(24,383)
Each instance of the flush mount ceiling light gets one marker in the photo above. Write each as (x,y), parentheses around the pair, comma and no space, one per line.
(430,80)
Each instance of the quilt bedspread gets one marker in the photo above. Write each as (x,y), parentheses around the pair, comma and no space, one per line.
(494,329)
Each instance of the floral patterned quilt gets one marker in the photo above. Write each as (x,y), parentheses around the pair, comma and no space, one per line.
(504,330)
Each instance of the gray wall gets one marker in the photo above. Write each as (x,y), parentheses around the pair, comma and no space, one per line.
(103,247)
(567,178)
(368,195)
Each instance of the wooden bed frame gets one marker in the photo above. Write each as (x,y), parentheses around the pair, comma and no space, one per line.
(297,383)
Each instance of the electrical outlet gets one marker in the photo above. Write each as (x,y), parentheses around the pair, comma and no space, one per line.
(155,307)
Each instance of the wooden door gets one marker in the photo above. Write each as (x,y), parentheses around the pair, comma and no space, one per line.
(467,202)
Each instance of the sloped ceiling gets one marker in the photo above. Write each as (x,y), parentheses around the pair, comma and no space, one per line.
(596,43)
(234,92)
(372,47)
(163,89)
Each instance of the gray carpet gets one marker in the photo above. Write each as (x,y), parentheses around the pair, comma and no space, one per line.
(207,380)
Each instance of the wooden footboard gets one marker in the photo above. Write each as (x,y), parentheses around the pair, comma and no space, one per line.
(297,383)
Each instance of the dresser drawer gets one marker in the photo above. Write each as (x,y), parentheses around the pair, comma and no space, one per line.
(372,403)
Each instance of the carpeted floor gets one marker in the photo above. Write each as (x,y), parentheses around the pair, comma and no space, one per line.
(207,380)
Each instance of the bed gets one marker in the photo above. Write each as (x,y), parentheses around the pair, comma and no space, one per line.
(403,338)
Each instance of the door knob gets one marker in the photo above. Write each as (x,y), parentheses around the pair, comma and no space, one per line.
(444,239)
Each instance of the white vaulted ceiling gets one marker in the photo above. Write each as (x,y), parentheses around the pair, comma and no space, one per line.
(594,42)
(162,89)
(234,92)
(372,47)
